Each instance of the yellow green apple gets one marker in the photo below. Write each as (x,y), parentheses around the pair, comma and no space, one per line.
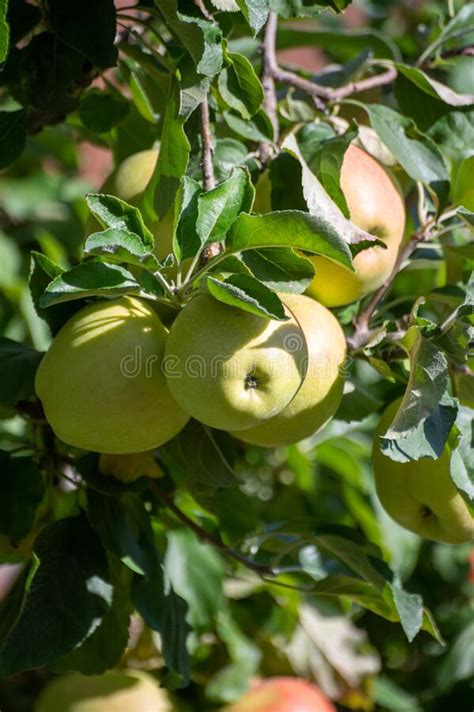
(318,398)
(101,382)
(376,206)
(420,495)
(231,369)
(127,691)
(283,694)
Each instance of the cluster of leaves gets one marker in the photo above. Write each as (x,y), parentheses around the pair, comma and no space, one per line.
(101,549)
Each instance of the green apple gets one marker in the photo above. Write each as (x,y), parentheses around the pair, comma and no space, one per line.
(101,382)
(375,205)
(321,391)
(127,691)
(231,369)
(420,495)
(128,182)
(283,694)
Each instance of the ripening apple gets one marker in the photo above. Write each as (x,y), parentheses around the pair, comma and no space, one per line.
(283,694)
(420,495)
(101,382)
(128,468)
(376,206)
(319,396)
(231,369)
(128,182)
(127,691)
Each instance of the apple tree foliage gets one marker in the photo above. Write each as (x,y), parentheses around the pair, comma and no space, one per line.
(238,559)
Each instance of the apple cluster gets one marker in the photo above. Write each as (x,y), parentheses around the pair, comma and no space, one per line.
(116,380)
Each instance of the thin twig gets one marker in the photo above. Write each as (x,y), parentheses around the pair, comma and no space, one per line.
(268,83)
(203,535)
(208,178)
(206,164)
(317,90)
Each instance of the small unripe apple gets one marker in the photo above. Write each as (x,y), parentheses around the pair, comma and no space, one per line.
(376,206)
(129,182)
(127,691)
(128,468)
(231,369)
(101,382)
(319,396)
(283,694)
(420,495)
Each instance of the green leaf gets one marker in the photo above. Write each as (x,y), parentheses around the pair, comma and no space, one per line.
(426,414)
(288,228)
(462,454)
(258,128)
(196,573)
(121,246)
(113,212)
(219,207)
(434,88)
(201,38)
(239,85)
(103,650)
(67,598)
(100,111)
(463,188)
(279,268)
(255,12)
(410,610)
(43,270)
(454,133)
(89,279)
(415,152)
(172,160)
(165,612)
(12,136)
(324,209)
(18,365)
(22,490)
(247,293)
(186,241)
(325,160)
(199,454)
(88,27)
(124,529)
(4,31)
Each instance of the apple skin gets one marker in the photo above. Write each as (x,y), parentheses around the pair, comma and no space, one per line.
(283,694)
(420,495)
(128,182)
(231,369)
(375,205)
(317,400)
(128,468)
(101,382)
(127,691)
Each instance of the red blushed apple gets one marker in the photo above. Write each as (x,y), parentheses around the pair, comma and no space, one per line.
(283,694)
